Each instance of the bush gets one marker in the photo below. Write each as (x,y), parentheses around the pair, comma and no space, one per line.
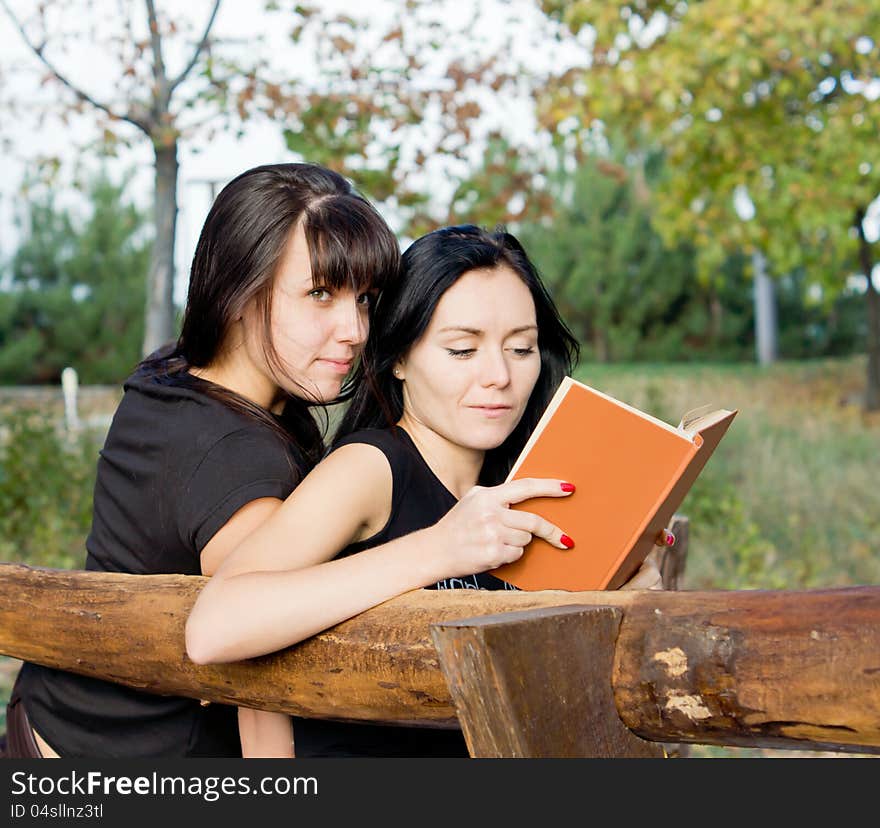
(77,289)
(47,480)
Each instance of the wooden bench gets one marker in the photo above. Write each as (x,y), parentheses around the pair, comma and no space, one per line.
(524,674)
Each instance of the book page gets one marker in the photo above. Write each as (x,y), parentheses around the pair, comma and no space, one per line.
(694,419)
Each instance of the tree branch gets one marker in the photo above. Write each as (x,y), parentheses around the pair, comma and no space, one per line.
(162,95)
(83,96)
(198,50)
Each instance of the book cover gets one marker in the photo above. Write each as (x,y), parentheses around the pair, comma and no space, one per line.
(631,471)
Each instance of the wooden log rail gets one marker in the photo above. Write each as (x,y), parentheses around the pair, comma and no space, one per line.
(522,673)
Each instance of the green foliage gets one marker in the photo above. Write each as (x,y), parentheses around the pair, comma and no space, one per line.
(46,487)
(629,297)
(769,99)
(744,552)
(508,187)
(770,103)
(815,328)
(614,281)
(77,292)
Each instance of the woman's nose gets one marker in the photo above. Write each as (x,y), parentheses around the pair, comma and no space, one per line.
(353,323)
(494,370)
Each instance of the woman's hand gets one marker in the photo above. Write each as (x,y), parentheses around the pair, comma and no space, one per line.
(482,532)
(649,575)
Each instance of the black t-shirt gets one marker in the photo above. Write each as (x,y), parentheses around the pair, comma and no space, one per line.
(418,500)
(175,466)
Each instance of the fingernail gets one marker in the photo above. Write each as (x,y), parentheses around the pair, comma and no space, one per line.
(566,541)
(567,487)
(670,539)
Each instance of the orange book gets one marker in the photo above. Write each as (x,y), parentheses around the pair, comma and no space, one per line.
(631,472)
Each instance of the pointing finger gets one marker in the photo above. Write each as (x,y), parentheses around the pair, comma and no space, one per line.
(515,491)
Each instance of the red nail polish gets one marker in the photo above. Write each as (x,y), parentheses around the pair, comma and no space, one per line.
(566,541)
(567,487)
(670,539)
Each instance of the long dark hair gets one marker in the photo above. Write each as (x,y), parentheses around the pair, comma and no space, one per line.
(430,266)
(238,251)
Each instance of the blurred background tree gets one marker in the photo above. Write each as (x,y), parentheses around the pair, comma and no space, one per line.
(75,296)
(766,108)
(428,100)
(588,216)
(148,97)
(625,294)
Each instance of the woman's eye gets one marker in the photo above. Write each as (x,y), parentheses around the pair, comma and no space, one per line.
(522,352)
(462,353)
(366,299)
(321,294)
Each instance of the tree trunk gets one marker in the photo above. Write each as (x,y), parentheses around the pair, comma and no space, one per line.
(716,318)
(872,298)
(872,390)
(765,312)
(601,345)
(160,323)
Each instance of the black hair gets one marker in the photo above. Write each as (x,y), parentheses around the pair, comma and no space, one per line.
(240,246)
(430,266)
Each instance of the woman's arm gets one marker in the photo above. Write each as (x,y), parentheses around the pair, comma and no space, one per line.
(235,530)
(265,734)
(347,497)
(280,585)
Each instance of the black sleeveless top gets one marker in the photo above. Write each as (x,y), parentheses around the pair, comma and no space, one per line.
(418,500)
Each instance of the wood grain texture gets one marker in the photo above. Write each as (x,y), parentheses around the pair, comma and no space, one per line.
(537,684)
(781,669)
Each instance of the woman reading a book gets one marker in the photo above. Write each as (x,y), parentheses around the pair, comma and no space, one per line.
(465,351)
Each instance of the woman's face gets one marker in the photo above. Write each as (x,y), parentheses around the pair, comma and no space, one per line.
(469,376)
(317,332)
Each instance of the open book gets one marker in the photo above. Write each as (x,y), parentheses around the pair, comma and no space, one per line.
(631,471)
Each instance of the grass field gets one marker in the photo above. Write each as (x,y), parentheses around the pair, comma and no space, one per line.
(790,499)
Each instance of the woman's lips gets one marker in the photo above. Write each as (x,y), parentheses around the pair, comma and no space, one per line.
(492,412)
(341,366)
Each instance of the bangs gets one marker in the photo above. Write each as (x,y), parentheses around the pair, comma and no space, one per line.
(350,245)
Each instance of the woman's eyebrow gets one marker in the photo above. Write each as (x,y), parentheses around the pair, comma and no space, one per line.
(478,332)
